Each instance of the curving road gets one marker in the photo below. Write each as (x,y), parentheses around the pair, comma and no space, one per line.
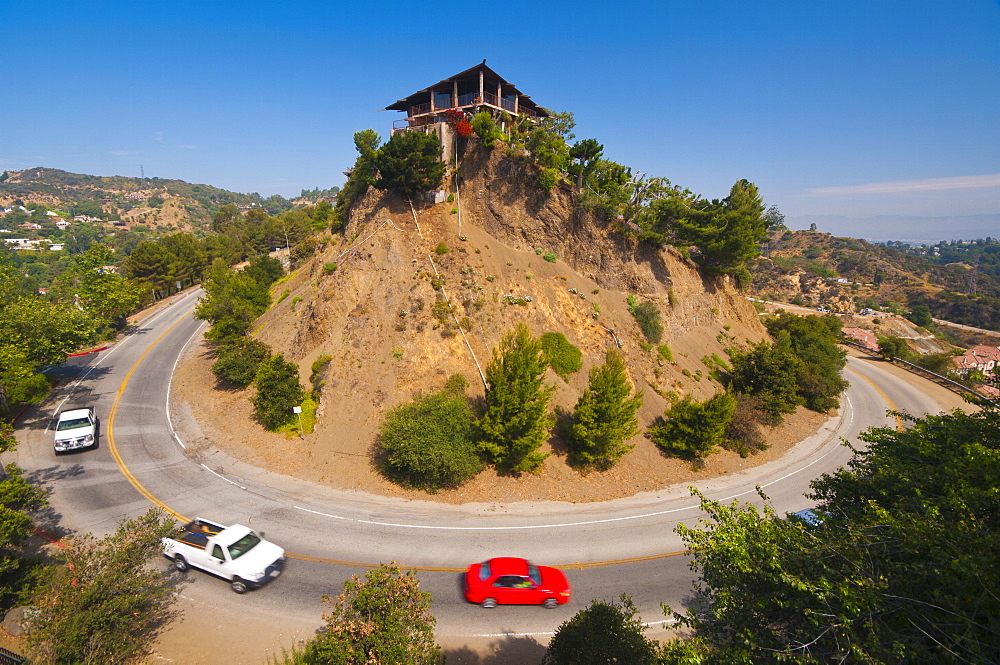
(623,546)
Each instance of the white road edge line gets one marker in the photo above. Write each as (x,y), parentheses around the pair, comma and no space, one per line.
(219,475)
(170,383)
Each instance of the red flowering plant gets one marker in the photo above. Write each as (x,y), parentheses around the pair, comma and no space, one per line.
(457,117)
(464,128)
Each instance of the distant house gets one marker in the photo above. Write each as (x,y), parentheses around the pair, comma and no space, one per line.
(864,337)
(62,224)
(86,218)
(982,358)
(476,89)
(30,225)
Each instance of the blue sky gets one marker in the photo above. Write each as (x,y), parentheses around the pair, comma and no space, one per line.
(844,108)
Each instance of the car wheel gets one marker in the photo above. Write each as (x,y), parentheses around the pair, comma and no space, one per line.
(489,603)
(180,564)
(550,603)
(239,586)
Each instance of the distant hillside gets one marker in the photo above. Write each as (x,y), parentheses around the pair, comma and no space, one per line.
(154,202)
(905,228)
(847,274)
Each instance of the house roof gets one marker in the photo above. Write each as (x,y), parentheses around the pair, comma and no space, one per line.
(488,75)
(988,352)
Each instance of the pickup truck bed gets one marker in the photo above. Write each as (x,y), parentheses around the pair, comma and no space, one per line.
(234,553)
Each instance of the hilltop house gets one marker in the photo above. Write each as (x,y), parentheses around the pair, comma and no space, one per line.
(476,89)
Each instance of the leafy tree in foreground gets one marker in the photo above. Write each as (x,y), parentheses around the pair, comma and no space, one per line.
(428,443)
(382,618)
(516,419)
(601,633)
(17,498)
(278,390)
(604,418)
(692,429)
(410,163)
(901,569)
(105,605)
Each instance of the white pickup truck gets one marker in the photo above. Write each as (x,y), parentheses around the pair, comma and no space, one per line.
(75,429)
(234,553)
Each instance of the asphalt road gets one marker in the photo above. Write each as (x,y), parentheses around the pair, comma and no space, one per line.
(623,546)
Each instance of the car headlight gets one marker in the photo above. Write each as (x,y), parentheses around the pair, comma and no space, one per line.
(258,576)
(89,438)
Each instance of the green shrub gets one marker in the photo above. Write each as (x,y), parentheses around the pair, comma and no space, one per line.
(284,294)
(442,248)
(561,355)
(278,390)
(648,318)
(451,198)
(743,435)
(550,257)
(484,127)
(547,178)
(441,310)
(317,373)
(237,362)
(666,355)
(328,269)
(428,443)
(692,429)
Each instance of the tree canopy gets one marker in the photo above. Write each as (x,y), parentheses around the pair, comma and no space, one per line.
(901,567)
(410,163)
(381,618)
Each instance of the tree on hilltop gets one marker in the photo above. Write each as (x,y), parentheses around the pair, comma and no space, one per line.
(410,163)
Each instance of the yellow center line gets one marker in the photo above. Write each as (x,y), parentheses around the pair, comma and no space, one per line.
(892,407)
(113,447)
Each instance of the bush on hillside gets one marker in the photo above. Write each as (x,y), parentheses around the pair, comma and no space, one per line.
(238,361)
(692,429)
(428,443)
(561,355)
(648,317)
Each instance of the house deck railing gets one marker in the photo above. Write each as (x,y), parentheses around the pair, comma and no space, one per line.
(468,100)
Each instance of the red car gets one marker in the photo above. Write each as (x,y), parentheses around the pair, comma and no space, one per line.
(513,581)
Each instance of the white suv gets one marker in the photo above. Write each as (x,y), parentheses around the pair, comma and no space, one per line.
(76,429)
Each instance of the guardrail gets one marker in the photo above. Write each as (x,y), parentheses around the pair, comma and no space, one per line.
(8,657)
(917,369)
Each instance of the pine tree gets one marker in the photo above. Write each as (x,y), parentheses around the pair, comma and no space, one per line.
(516,418)
(410,163)
(278,390)
(604,418)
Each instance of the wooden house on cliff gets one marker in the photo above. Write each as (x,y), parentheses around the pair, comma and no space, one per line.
(476,89)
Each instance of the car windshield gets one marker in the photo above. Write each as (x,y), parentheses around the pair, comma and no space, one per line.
(484,570)
(243,545)
(75,423)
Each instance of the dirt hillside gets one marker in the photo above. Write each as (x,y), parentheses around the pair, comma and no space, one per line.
(406,284)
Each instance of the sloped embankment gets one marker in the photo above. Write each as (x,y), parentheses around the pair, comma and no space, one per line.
(406,282)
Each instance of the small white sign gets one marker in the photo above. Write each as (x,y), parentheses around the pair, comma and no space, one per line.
(296,409)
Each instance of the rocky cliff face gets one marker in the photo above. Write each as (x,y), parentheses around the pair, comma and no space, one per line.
(419,294)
